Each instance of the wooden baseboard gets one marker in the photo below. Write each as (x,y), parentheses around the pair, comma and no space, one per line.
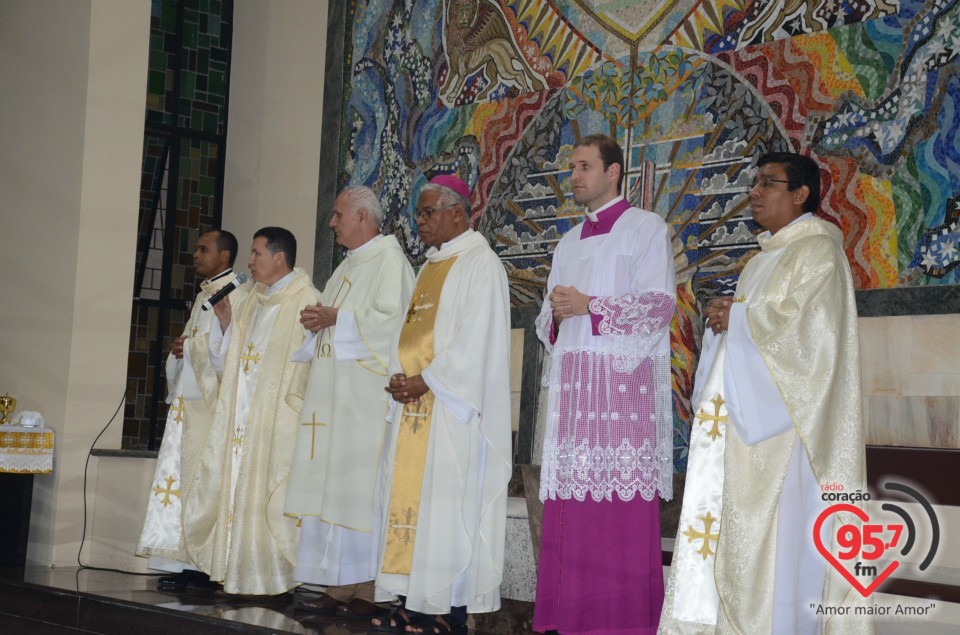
(935,470)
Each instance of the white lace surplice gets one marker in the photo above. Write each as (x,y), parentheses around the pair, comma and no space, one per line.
(610,423)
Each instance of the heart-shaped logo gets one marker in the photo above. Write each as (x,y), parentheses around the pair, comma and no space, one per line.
(855,541)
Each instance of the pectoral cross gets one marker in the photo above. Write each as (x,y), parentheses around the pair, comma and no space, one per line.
(178,409)
(246,359)
(406,529)
(168,492)
(716,418)
(704,535)
(313,423)
(416,308)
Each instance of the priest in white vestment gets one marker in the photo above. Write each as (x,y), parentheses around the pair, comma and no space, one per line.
(445,479)
(192,387)
(343,419)
(608,446)
(778,419)
(234,527)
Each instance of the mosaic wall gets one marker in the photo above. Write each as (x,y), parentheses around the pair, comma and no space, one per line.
(695,91)
(185,127)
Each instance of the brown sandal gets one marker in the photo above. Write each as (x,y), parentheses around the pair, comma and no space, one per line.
(397,622)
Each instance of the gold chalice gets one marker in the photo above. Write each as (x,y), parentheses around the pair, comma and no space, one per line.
(7,405)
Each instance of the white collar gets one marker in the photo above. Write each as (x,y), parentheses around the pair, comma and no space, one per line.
(280,284)
(594,215)
(222,274)
(456,239)
(369,243)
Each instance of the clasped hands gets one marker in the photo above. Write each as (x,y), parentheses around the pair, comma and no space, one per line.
(567,302)
(406,389)
(718,314)
(317,317)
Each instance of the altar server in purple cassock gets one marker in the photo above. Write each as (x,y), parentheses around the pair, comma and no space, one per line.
(609,439)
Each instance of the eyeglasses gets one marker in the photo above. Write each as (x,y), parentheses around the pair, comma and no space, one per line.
(427,212)
(764,182)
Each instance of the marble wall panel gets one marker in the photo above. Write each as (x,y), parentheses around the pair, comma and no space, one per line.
(516,375)
(883,354)
(913,421)
(911,379)
(935,344)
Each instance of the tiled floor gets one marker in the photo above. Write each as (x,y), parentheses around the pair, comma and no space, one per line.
(113,601)
(43,601)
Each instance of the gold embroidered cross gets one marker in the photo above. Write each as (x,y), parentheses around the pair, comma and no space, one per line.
(178,409)
(168,492)
(313,423)
(704,535)
(716,418)
(246,359)
(193,333)
(237,438)
(406,529)
(415,413)
(416,308)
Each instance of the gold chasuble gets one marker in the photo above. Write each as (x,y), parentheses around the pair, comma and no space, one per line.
(415,352)
(234,527)
(192,396)
(800,314)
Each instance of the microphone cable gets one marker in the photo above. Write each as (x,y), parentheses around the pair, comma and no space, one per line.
(83,534)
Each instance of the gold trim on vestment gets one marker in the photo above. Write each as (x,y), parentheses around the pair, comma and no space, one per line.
(324,349)
(415,352)
(383,367)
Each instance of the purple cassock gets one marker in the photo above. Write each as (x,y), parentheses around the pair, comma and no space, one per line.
(608,443)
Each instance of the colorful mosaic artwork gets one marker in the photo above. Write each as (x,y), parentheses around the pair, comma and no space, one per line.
(695,91)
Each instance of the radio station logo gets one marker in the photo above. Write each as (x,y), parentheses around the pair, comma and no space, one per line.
(861,546)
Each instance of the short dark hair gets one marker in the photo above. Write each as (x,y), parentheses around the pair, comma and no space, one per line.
(227,242)
(280,239)
(800,170)
(610,152)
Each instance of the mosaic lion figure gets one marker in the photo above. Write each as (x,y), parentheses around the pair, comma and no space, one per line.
(478,37)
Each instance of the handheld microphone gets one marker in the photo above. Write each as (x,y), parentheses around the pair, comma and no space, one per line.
(224,292)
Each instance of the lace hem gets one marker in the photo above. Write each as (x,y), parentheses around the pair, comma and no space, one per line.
(26,464)
(607,431)
(603,472)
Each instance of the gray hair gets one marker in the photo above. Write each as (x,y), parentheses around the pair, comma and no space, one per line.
(446,196)
(365,198)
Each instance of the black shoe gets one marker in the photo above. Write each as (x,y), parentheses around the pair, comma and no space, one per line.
(182,581)
(362,609)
